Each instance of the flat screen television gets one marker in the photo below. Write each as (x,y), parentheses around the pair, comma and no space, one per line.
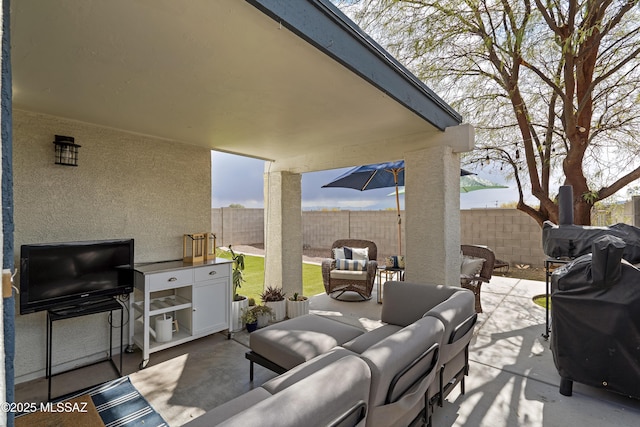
(63,274)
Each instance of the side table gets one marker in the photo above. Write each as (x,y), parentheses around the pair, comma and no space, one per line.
(389,273)
(83,309)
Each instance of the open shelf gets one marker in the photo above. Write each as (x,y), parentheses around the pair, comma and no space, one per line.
(183,335)
(164,304)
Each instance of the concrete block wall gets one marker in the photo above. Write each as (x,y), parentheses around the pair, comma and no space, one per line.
(513,236)
(235,226)
(320,228)
(380,227)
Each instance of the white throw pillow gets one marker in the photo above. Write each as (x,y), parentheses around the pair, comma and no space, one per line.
(361,254)
(471,265)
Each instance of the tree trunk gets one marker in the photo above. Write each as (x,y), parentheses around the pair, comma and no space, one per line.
(581,212)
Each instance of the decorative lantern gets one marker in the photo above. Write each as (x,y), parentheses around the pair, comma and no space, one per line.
(66,150)
(211,247)
(193,247)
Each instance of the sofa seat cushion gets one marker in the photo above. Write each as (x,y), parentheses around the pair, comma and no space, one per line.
(366,340)
(348,274)
(227,410)
(297,340)
(292,376)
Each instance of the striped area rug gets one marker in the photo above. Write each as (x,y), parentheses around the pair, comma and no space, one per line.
(121,405)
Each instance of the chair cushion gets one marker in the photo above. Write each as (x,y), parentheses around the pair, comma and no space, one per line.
(351,264)
(471,265)
(348,275)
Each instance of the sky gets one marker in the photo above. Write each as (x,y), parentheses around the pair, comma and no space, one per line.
(237,179)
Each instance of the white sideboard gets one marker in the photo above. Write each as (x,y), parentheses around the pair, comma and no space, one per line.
(196,296)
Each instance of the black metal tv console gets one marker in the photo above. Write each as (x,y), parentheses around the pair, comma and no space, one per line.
(94,306)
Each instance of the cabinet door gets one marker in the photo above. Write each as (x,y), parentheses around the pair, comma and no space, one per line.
(211,302)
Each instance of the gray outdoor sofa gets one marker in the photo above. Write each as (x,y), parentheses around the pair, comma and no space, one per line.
(412,361)
(301,397)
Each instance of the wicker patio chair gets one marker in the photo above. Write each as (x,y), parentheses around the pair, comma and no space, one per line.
(341,281)
(475,283)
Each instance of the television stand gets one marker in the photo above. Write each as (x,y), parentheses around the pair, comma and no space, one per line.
(84,308)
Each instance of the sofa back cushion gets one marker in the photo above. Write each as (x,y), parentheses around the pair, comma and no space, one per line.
(406,302)
(395,355)
(458,315)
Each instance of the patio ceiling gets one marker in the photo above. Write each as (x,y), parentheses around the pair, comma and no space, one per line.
(236,76)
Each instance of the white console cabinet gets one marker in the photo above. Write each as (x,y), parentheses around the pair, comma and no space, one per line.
(196,296)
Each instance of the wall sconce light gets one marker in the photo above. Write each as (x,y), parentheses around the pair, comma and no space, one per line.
(66,150)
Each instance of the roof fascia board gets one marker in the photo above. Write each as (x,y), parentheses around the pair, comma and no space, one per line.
(324,26)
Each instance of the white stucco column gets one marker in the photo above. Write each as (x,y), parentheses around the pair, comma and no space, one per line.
(432,209)
(283,231)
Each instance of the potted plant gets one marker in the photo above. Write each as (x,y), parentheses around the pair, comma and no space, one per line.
(262,313)
(274,298)
(297,305)
(239,302)
(249,318)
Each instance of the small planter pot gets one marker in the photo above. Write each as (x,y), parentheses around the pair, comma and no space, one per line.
(297,308)
(252,326)
(263,320)
(236,313)
(279,309)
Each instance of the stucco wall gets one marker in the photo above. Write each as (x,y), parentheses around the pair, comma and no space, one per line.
(126,185)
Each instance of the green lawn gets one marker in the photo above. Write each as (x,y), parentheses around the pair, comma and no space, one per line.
(254,277)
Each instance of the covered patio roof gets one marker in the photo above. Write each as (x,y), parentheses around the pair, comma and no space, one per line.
(228,75)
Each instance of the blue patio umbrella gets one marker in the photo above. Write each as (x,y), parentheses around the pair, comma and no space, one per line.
(379,175)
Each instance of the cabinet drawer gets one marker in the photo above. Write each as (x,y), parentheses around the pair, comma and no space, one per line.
(210,272)
(170,279)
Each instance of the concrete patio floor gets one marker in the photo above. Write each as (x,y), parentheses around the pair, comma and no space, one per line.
(512,380)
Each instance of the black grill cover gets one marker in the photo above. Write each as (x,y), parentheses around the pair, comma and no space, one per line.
(595,312)
(572,241)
